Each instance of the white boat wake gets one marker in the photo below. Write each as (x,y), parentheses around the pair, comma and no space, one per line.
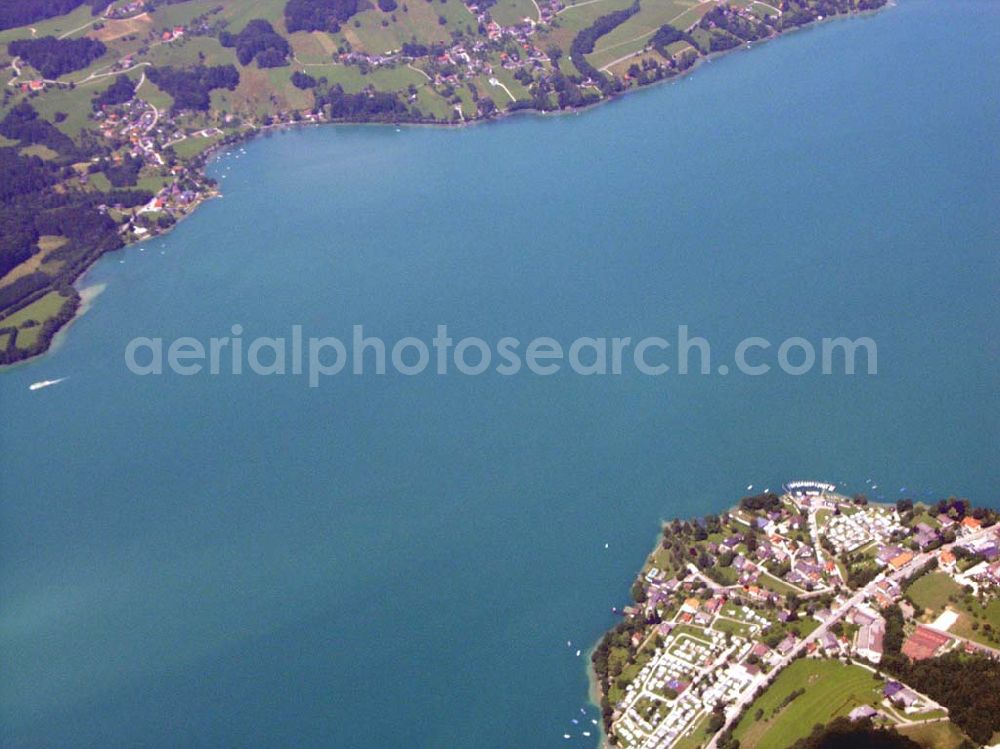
(45,383)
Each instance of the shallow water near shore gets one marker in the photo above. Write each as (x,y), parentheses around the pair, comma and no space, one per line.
(400,561)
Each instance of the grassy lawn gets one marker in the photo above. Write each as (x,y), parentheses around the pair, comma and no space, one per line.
(725,575)
(152,181)
(74,103)
(571,21)
(180,14)
(151,93)
(691,17)
(39,311)
(100,182)
(932,591)
(633,35)
(43,152)
(365,31)
(190,147)
(240,14)
(513,12)
(832,689)
(53,26)
(770,582)
(185,52)
(736,628)
(940,735)
(46,243)
(988,615)
(430,102)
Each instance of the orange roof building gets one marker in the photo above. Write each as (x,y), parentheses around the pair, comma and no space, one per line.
(901,560)
(924,643)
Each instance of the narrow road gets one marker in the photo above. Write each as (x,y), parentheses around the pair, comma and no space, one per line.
(758,2)
(17,71)
(422,72)
(578,5)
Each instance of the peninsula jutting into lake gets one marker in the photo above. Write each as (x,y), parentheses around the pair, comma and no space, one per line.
(805,608)
(112,108)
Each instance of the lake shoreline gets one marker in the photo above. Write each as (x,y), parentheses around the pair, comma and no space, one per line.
(211,190)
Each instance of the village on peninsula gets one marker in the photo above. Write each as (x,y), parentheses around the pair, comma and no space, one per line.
(806,615)
(111,109)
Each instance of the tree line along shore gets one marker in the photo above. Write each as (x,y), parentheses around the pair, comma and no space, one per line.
(110,109)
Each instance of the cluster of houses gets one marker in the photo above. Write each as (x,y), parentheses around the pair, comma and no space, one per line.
(688,676)
(983,552)
(806,569)
(139,133)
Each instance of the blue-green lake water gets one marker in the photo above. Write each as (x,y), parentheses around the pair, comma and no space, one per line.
(400,561)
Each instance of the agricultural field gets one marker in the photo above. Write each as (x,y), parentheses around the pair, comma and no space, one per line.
(941,734)
(513,12)
(988,615)
(633,35)
(933,591)
(574,18)
(36,312)
(194,145)
(46,244)
(70,25)
(376,32)
(156,97)
(831,689)
(311,48)
(74,103)
(698,736)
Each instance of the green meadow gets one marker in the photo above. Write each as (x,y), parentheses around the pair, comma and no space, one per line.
(832,689)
